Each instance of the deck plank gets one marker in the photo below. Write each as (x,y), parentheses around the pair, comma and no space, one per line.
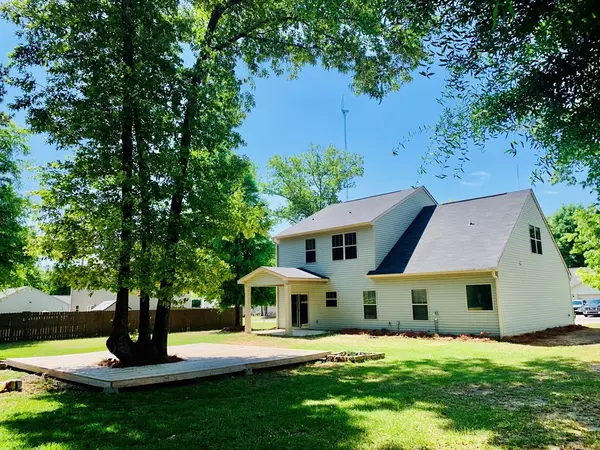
(200,360)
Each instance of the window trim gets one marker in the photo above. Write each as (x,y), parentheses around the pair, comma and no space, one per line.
(412,303)
(538,241)
(343,246)
(376,308)
(479,310)
(314,250)
(336,299)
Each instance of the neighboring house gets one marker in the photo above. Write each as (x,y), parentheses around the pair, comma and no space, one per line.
(28,299)
(103,300)
(403,261)
(579,290)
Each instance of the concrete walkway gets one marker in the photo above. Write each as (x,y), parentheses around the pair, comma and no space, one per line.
(296,332)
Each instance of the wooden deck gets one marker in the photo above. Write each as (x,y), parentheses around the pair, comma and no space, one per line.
(201,360)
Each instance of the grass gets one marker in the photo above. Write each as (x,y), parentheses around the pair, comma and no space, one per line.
(263,323)
(425,394)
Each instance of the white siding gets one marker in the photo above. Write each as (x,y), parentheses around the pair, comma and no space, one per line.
(266,279)
(347,277)
(446,294)
(32,300)
(534,289)
(389,227)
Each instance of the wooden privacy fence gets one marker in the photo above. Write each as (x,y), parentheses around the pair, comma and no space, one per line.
(34,326)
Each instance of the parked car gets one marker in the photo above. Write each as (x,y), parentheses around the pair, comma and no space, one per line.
(578,306)
(592,308)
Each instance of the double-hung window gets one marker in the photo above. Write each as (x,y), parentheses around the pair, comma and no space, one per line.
(330,299)
(420,309)
(370,304)
(535,239)
(343,246)
(310,246)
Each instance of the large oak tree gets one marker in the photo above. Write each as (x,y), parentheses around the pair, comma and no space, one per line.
(147,97)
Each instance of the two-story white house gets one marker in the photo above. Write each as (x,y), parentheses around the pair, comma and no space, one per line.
(401,261)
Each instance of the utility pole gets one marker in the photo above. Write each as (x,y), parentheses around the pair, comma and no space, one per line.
(345,113)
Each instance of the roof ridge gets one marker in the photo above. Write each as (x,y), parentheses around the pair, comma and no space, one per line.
(380,195)
(485,196)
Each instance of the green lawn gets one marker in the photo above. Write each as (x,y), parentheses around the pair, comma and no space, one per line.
(425,394)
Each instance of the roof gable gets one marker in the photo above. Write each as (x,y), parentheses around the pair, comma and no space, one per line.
(362,211)
(461,236)
(283,274)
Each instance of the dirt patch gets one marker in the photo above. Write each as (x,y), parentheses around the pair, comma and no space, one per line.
(39,384)
(232,329)
(560,336)
(116,364)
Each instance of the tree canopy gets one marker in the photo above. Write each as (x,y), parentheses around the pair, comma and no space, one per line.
(310,181)
(525,70)
(17,266)
(563,224)
(148,97)
(587,242)
(243,254)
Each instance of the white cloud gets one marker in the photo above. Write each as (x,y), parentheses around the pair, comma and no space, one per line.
(549,192)
(481,174)
(476,179)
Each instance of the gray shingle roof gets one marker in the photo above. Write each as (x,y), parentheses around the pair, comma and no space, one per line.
(354,212)
(293,272)
(458,236)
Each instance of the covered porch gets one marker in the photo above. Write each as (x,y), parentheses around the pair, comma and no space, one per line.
(277,277)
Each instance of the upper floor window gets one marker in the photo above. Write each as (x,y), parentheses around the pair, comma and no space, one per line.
(535,238)
(343,246)
(311,250)
(197,303)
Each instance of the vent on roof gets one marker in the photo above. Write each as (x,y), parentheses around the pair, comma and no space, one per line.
(471,223)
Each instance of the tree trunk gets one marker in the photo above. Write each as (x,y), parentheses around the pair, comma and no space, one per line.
(161,321)
(144,341)
(161,333)
(119,343)
(143,344)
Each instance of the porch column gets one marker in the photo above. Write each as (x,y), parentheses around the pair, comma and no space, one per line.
(287,303)
(248,308)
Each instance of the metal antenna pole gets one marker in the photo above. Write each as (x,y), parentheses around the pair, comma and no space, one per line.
(345,113)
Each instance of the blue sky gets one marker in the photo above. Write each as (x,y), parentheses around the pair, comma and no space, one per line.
(291,114)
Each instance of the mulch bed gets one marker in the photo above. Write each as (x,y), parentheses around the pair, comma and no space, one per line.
(527,338)
(559,336)
(414,334)
(116,364)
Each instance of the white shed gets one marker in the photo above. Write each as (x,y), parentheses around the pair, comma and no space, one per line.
(16,300)
(579,290)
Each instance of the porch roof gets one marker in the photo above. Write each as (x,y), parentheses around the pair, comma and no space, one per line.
(276,276)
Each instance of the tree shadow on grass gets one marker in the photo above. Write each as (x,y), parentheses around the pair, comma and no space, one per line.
(399,404)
